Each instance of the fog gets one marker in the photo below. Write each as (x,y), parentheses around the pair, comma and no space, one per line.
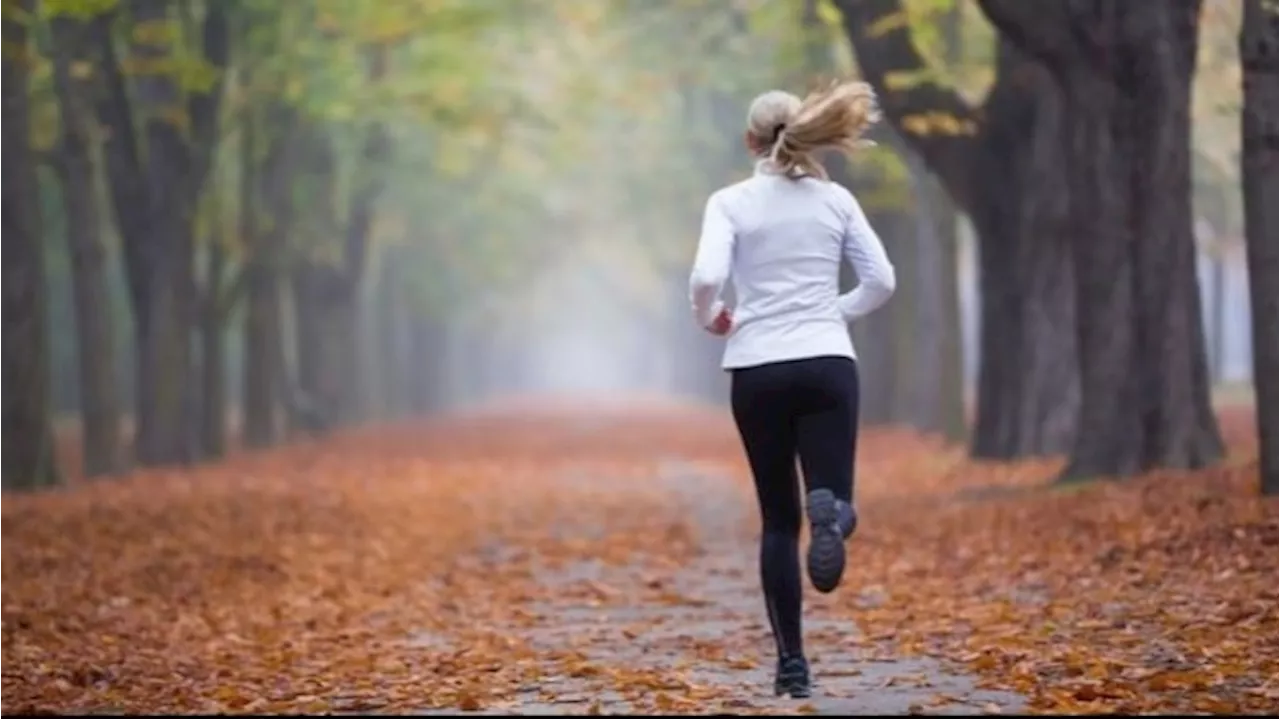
(504,200)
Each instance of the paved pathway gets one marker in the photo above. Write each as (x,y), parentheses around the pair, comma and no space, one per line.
(693,639)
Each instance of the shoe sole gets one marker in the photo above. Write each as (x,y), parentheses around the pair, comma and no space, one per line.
(826,541)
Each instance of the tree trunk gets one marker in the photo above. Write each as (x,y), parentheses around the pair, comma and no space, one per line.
(164,319)
(95,335)
(1026,379)
(326,293)
(1216,315)
(1110,437)
(1179,422)
(1258,58)
(388,323)
(1126,69)
(942,388)
(164,355)
(213,395)
(154,195)
(28,427)
(326,317)
(266,220)
(262,333)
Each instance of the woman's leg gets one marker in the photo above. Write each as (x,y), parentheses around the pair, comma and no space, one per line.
(762,409)
(826,437)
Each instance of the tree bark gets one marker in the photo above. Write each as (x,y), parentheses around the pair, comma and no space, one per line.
(28,425)
(389,323)
(325,319)
(941,397)
(95,335)
(1027,379)
(213,394)
(1126,69)
(154,193)
(1217,315)
(262,333)
(164,319)
(267,216)
(262,312)
(1258,58)
(327,293)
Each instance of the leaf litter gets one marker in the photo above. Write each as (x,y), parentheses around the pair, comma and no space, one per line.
(291,580)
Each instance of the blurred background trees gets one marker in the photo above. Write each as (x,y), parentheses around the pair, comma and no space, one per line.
(232,222)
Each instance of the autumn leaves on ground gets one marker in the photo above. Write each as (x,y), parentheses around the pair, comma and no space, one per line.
(398,569)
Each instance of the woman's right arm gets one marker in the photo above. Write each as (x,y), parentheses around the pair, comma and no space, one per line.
(713,261)
(864,251)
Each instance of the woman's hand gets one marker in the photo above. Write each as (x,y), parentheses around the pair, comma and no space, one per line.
(721,325)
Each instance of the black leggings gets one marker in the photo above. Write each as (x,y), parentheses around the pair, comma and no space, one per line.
(809,408)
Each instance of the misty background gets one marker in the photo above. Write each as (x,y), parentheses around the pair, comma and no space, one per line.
(261,219)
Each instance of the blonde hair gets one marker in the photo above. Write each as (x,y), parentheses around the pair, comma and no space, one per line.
(790,131)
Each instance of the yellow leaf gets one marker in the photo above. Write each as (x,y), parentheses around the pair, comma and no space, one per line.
(886,24)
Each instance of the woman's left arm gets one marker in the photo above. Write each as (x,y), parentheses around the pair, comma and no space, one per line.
(712,263)
(864,251)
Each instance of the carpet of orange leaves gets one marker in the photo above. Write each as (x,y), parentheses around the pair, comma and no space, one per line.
(286,581)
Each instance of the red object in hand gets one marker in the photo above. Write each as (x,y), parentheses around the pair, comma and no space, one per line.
(721,324)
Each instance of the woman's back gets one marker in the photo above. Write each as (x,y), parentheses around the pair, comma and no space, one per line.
(784,239)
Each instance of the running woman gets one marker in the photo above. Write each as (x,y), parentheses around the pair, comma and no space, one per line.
(780,237)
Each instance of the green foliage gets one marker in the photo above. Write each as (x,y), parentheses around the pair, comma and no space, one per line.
(77,9)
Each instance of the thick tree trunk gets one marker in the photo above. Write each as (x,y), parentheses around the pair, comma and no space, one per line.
(164,318)
(1126,69)
(324,318)
(1110,437)
(266,194)
(1028,379)
(95,336)
(28,427)
(1258,58)
(1026,395)
(154,193)
(326,293)
(1179,422)
(164,354)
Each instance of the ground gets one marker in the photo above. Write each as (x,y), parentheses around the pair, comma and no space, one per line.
(562,559)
